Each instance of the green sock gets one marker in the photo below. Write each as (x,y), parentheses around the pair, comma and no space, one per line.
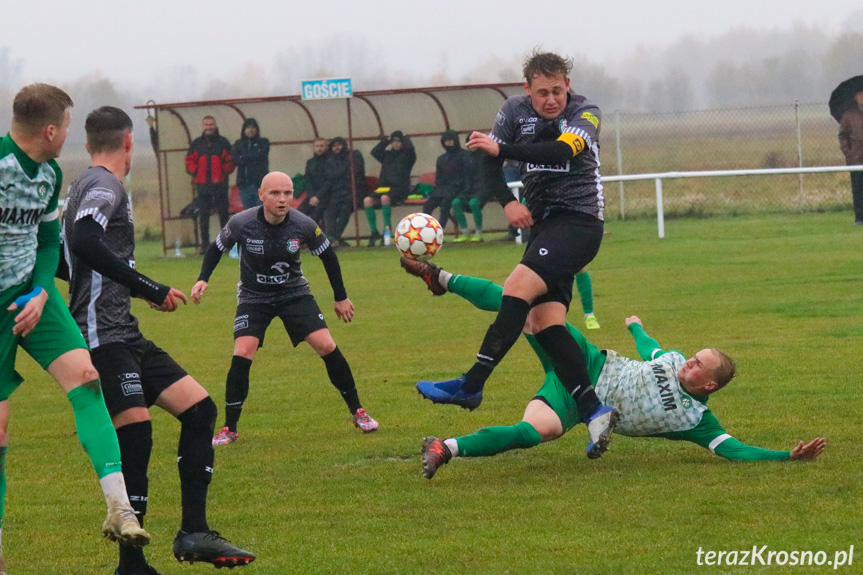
(95,430)
(484,294)
(387,211)
(456,209)
(2,481)
(494,440)
(476,209)
(370,215)
(585,290)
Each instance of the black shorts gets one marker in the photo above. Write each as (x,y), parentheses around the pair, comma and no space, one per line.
(134,374)
(559,247)
(300,316)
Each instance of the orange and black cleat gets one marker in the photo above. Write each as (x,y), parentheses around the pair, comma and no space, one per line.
(427,272)
(435,454)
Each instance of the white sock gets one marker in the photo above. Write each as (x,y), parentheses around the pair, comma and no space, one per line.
(114,488)
(453,446)
(443,278)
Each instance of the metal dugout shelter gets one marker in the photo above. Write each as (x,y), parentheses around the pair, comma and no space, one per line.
(292,124)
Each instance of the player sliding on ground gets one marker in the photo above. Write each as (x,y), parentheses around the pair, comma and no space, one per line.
(664,395)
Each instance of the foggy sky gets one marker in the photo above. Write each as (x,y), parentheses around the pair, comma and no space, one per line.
(133,43)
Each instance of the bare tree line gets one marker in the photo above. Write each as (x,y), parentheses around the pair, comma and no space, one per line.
(741,68)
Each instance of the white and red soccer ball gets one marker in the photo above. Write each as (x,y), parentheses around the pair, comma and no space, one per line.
(419,236)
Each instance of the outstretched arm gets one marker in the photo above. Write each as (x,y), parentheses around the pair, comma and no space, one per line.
(648,348)
(711,435)
(86,243)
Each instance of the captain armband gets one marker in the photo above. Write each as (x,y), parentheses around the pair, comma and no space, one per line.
(574,141)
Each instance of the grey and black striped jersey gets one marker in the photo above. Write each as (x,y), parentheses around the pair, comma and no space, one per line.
(98,194)
(270,268)
(575,186)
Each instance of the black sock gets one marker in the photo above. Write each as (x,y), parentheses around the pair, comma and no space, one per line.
(499,338)
(341,377)
(569,366)
(195,463)
(236,390)
(136,444)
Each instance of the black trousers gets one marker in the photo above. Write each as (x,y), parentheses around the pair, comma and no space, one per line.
(857,195)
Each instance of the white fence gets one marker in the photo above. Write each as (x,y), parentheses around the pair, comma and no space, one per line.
(659,177)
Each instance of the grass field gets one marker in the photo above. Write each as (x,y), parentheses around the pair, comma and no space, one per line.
(310,494)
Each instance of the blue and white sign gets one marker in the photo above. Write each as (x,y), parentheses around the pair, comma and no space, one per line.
(326,88)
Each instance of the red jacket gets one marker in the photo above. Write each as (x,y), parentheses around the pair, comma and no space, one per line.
(209,159)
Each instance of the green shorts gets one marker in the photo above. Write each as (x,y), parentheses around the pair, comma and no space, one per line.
(55,334)
(556,396)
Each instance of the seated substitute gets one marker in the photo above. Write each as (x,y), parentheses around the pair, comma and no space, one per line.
(272,285)
(135,373)
(664,396)
(395,180)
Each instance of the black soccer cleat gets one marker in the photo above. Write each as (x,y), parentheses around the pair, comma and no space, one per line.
(427,272)
(209,547)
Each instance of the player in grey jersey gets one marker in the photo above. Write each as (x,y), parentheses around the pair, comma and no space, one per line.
(136,373)
(272,285)
(555,133)
(664,395)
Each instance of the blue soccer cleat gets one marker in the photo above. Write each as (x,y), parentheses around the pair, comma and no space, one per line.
(600,424)
(450,391)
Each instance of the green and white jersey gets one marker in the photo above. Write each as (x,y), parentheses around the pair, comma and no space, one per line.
(648,394)
(28,197)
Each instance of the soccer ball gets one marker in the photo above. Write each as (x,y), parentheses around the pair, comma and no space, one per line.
(419,236)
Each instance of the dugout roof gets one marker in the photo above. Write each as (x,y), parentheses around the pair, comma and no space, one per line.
(292,124)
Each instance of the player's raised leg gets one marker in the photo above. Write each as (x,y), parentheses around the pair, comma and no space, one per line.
(78,378)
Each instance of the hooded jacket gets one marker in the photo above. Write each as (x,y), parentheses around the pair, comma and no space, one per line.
(251,156)
(337,176)
(453,168)
(396,167)
(209,159)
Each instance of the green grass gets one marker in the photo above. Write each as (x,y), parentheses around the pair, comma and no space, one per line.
(310,494)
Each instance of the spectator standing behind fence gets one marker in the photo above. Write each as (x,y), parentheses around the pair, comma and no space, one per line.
(470,199)
(395,180)
(251,155)
(315,180)
(337,190)
(851,143)
(451,176)
(209,161)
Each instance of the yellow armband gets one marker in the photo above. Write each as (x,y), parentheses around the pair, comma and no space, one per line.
(574,141)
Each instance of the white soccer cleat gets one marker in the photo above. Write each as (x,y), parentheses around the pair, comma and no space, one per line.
(121,525)
(599,427)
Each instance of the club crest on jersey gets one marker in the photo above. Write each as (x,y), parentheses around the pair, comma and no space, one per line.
(563,125)
(293,246)
(43,190)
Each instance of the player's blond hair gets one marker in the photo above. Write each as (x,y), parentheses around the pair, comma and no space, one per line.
(725,371)
(39,105)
